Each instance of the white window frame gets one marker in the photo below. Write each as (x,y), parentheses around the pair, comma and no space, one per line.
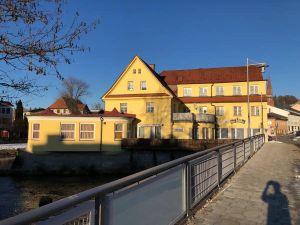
(68,139)
(122,106)
(219,90)
(130,85)
(218,111)
(236,90)
(238,111)
(143,85)
(255,110)
(187,92)
(203,91)
(149,106)
(254,89)
(80,131)
(34,131)
(122,132)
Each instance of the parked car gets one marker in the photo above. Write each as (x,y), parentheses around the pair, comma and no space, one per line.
(297,134)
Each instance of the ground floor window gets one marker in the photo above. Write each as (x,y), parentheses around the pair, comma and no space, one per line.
(67,131)
(255,131)
(36,131)
(87,131)
(118,131)
(205,134)
(150,132)
(237,133)
(223,133)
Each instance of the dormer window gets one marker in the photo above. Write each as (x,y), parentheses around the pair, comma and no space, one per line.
(134,71)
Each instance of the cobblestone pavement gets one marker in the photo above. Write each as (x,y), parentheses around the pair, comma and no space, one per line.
(265,191)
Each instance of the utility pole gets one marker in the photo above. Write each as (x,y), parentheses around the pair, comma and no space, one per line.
(248,99)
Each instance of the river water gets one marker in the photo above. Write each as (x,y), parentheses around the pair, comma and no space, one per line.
(22,193)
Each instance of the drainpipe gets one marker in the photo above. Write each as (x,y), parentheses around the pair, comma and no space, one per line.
(101,132)
(211,86)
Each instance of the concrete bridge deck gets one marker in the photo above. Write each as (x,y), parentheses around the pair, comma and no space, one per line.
(265,191)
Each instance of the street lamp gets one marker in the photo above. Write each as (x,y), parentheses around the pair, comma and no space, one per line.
(262,66)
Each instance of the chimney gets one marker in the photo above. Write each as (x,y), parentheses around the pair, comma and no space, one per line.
(152,66)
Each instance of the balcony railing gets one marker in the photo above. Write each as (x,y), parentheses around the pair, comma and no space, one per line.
(183,117)
(206,118)
(191,117)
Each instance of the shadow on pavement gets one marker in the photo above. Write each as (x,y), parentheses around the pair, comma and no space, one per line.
(278,208)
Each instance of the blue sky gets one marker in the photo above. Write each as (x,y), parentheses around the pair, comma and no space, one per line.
(183,35)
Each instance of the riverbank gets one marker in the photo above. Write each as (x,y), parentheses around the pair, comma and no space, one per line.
(86,163)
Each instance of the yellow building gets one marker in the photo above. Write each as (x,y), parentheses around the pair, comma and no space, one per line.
(181,104)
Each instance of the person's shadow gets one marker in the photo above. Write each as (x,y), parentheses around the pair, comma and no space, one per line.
(278,207)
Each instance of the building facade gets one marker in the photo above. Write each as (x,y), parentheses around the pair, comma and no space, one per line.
(182,104)
(6,115)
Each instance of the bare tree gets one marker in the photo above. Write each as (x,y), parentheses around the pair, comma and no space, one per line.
(35,39)
(74,88)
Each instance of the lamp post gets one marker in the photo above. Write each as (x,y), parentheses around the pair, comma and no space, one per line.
(262,66)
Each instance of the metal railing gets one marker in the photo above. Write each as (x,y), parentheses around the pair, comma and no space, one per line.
(206,118)
(191,117)
(160,195)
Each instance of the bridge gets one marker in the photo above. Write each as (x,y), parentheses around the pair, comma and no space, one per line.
(244,182)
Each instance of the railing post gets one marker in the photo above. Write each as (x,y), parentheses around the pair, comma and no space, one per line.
(234,156)
(219,166)
(187,189)
(97,211)
(244,146)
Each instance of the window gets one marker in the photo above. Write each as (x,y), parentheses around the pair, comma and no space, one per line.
(141,132)
(219,90)
(150,107)
(134,71)
(187,92)
(87,131)
(253,89)
(67,131)
(237,133)
(3,110)
(255,110)
(58,110)
(7,110)
(143,85)
(65,111)
(36,131)
(255,131)
(123,107)
(223,133)
(203,109)
(237,110)
(237,90)
(203,91)
(205,133)
(129,130)
(130,86)
(118,131)
(220,110)
(139,71)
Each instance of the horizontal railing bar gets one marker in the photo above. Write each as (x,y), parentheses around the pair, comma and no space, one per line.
(62,204)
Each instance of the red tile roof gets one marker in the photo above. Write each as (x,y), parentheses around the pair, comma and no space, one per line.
(220,99)
(59,104)
(211,75)
(113,113)
(5,103)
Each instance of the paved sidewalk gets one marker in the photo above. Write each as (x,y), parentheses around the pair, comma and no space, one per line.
(246,200)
